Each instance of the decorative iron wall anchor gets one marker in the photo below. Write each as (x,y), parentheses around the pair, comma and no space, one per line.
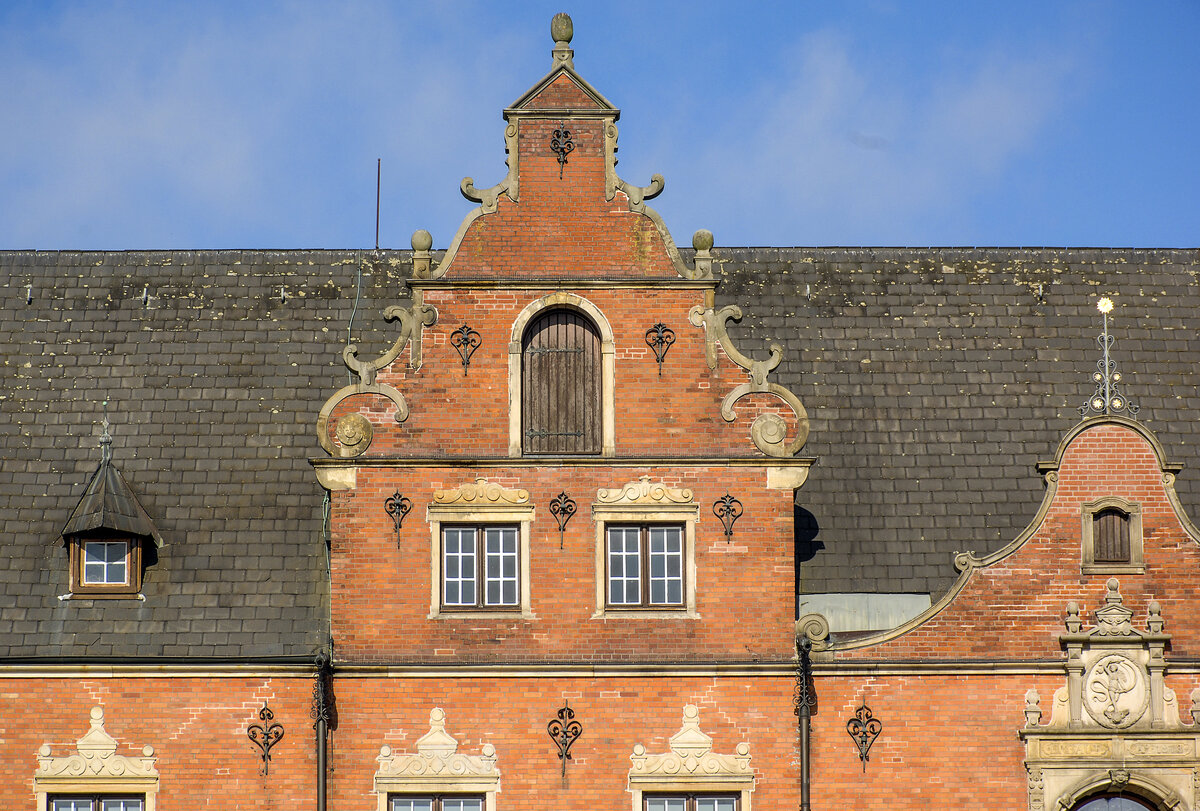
(864,728)
(465,341)
(564,730)
(729,510)
(659,338)
(561,145)
(265,735)
(562,507)
(397,506)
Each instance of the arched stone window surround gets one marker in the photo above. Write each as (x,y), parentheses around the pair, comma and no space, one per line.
(608,373)
(95,768)
(1090,510)
(1131,783)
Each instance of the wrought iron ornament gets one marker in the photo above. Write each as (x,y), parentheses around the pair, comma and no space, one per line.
(864,728)
(465,341)
(561,145)
(804,699)
(397,506)
(265,735)
(322,707)
(562,507)
(1108,398)
(659,338)
(564,730)
(729,510)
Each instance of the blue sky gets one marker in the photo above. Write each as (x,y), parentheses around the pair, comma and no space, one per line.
(257,125)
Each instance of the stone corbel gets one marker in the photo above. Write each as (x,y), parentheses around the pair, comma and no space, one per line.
(768,430)
(354,431)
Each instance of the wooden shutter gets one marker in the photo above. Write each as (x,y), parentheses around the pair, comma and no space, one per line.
(560,384)
(1110,536)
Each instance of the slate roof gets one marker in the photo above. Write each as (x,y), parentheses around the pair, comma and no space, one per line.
(935,379)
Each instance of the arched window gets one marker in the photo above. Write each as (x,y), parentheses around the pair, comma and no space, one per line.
(1112,803)
(560,384)
(1111,536)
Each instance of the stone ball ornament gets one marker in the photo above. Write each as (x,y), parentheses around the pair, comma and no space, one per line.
(702,240)
(422,240)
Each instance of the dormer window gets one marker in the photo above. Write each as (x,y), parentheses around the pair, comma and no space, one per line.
(109,534)
(106,566)
(1112,537)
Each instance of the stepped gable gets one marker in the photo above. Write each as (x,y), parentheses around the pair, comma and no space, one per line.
(561,211)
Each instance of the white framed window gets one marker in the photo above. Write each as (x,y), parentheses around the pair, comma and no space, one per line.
(436,802)
(479,550)
(105,563)
(480,567)
(645,565)
(690,802)
(97,802)
(645,550)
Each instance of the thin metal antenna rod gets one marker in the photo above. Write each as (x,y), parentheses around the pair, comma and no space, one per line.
(378,177)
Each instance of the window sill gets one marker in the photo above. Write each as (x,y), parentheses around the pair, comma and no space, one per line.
(103,595)
(646,614)
(476,615)
(1113,568)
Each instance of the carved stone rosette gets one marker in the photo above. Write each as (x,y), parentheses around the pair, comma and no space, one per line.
(768,431)
(1114,726)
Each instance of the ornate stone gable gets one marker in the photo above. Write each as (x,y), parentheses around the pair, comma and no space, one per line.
(1115,725)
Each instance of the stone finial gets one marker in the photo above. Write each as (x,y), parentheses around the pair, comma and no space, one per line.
(1033,708)
(1073,623)
(702,241)
(562,30)
(422,257)
(1155,622)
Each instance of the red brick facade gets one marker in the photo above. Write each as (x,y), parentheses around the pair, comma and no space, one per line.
(950,687)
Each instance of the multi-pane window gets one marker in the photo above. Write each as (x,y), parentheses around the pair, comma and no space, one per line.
(479,567)
(105,563)
(1111,536)
(96,803)
(691,802)
(435,803)
(645,565)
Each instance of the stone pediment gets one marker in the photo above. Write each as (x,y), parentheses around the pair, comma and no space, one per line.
(95,756)
(691,757)
(437,758)
(644,491)
(481,493)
